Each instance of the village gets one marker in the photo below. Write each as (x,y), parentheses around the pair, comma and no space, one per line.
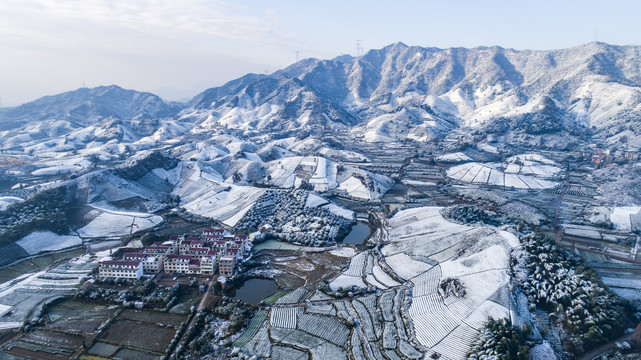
(214,250)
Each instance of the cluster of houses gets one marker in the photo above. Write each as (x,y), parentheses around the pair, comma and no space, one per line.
(606,157)
(213,250)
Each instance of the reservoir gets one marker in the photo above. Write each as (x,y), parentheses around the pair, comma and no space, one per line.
(359,233)
(254,290)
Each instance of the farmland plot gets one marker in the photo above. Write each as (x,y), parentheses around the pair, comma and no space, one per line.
(324,309)
(386,304)
(406,267)
(477,256)
(259,344)
(293,297)
(325,327)
(286,317)
(522,174)
(356,265)
(319,348)
(382,277)
(357,347)
(370,279)
(255,324)
(287,353)
(353,275)
(402,319)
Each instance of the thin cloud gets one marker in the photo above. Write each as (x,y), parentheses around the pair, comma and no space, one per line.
(90,22)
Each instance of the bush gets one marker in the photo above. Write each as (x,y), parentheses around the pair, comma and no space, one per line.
(500,340)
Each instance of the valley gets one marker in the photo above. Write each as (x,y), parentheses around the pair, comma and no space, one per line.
(386,207)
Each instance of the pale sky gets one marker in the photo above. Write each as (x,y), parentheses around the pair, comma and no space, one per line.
(179,48)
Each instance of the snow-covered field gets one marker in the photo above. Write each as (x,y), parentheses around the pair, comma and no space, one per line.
(477,256)
(422,251)
(323,175)
(27,292)
(63,166)
(454,157)
(582,231)
(41,241)
(209,196)
(621,216)
(5,201)
(113,224)
(525,171)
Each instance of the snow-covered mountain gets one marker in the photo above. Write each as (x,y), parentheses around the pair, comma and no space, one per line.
(76,118)
(86,105)
(543,98)
(403,92)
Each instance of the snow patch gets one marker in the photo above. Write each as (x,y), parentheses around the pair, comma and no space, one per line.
(41,241)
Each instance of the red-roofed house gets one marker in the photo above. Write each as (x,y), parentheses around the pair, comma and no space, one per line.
(213,232)
(153,249)
(194,266)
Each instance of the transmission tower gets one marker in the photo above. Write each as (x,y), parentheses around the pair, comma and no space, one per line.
(297,52)
(359,49)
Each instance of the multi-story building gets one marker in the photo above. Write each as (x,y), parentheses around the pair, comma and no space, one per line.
(151,264)
(184,246)
(197,251)
(194,266)
(219,245)
(120,269)
(237,245)
(158,249)
(226,265)
(178,264)
(214,250)
(232,252)
(208,263)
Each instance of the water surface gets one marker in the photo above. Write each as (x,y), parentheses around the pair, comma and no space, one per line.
(359,233)
(254,290)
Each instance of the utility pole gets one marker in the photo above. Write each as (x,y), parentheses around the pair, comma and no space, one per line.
(297,52)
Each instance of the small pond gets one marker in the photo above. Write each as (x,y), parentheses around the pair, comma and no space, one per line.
(359,233)
(254,290)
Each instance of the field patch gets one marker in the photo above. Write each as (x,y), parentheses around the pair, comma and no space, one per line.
(138,335)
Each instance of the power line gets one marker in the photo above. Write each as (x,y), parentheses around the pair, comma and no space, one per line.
(359,49)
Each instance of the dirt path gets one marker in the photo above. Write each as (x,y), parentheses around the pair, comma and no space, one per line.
(194,318)
(353,313)
(603,348)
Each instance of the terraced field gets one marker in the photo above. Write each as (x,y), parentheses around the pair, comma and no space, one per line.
(404,314)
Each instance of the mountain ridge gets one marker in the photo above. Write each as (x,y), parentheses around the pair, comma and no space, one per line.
(398,92)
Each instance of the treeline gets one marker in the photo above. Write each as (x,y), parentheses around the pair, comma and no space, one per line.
(560,283)
(47,210)
(471,214)
(141,167)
